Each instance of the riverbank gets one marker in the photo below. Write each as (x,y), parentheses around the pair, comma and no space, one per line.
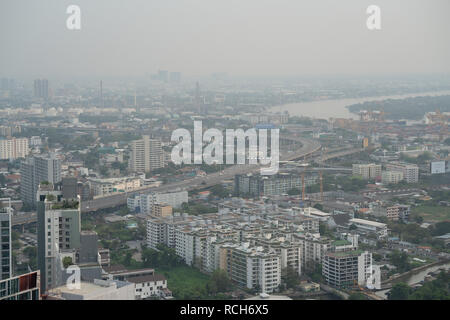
(413,276)
(337,108)
(408,274)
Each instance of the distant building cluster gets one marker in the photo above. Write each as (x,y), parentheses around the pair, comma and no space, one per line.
(257,185)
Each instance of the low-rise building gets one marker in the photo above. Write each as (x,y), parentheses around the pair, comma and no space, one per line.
(145,202)
(380,229)
(150,286)
(102,187)
(97,290)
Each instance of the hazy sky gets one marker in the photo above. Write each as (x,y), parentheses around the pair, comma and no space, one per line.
(240,37)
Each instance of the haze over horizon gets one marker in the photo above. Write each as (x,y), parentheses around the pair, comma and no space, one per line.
(253,37)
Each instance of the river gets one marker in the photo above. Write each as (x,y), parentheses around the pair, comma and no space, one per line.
(325,109)
(416,277)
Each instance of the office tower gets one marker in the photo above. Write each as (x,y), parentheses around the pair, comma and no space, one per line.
(37,169)
(163,75)
(41,88)
(7,84)
(5,239)
(146,155)
(58,233)
(197,101)
(175,77)
(12,149)
(101,93)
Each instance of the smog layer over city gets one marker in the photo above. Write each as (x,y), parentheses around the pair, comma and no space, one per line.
(198,155)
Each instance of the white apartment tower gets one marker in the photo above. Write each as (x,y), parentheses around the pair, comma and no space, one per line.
(14,148)
(146,155)
(5,239)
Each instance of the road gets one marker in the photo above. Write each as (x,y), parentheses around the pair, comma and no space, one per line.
(25,218)
(308,147)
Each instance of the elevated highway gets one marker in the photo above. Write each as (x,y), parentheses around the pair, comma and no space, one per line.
(308,147)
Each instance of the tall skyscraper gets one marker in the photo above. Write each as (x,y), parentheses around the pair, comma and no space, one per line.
(163,75)
(175,77)
(7,84)
(33,171)
(5,239)
(101,94)
(58,233)
(146,155)
(41,88)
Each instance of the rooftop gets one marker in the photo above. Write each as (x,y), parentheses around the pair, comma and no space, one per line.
(149,278)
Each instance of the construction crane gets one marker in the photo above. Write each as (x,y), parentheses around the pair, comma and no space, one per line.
(442,122)
(303,187)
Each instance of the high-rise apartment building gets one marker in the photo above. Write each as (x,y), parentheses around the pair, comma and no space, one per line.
(33,171)
(347,269)
(175,77)
(255,268)
(313,250)
(8,131)
(146,155)
(14,148)
(5,239)
(41,88)
(58,232)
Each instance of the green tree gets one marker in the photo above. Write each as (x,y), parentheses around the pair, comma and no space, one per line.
(219,282)
(294,192)
(292,278)
(400,291)
(318,206)
(400,261)
(67,261)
